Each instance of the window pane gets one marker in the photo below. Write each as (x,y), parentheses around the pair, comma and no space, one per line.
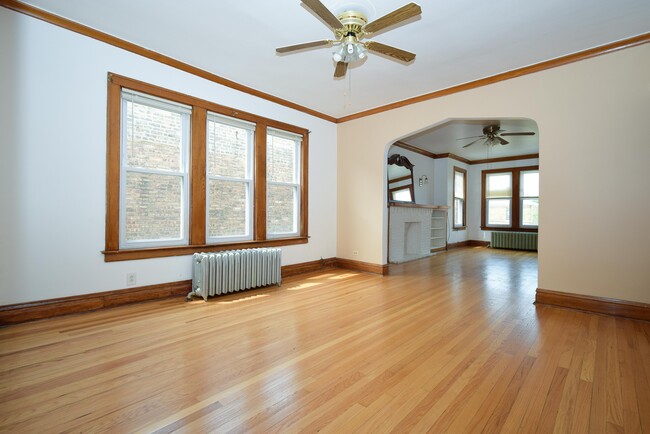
(227,152)
(530,184)
(498,212)
(403,195)
(530,212)
(153,137)
(499,185)
(280,205)
(458,212)
(280,159)
(459,185)
(227,208)
(153,207)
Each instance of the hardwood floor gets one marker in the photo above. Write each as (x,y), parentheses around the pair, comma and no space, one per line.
(447,344)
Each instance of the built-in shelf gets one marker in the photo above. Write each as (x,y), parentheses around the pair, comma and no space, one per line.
(438,225)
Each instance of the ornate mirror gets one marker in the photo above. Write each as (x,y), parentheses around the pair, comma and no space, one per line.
(400,179)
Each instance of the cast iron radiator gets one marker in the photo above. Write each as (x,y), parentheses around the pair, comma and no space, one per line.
(234,270)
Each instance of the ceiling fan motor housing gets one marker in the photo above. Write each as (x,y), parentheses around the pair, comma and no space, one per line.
(353,22)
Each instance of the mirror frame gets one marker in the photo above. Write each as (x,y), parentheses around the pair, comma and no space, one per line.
(400,160)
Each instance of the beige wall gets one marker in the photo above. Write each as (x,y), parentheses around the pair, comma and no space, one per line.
(594,123)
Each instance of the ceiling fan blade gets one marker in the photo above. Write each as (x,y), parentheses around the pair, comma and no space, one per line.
(297,47)
(526,133)
(501,140)
(472,137)
(397,16)
(319,9)
(471,143)
(340,70)
(396,53)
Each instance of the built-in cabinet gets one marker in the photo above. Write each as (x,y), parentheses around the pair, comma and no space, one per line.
(439,229)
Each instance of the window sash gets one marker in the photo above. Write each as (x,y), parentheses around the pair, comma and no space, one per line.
(489,215)
(295,185)
(498,192)
(459,214)
(521,216)
(459,203)
(247,180)
(183,173)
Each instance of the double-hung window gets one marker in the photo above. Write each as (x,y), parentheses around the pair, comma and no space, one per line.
(187,175)
(529,198)
(460,193)
(229,164)
(155,136)
(498,199)
(511,199)
(282,183)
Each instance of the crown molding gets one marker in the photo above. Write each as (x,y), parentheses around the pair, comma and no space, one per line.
(458,158)
(73,26)
(537,67)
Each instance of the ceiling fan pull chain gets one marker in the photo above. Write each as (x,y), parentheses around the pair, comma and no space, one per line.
(350,88)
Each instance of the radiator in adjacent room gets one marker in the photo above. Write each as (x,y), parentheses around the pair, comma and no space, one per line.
(235,270)
(514,240)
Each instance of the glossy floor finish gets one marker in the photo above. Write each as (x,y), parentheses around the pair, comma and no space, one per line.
(448,344)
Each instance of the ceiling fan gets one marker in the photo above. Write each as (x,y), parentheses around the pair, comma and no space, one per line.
(349,28)
(493,135)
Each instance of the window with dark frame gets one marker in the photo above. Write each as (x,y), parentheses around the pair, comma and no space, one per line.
(186,175)
(510,199)
(460,198)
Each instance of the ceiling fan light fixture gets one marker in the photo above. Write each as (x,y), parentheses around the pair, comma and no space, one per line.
(350,51)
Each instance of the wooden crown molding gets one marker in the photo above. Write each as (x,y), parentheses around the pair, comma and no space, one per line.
(417,150)
(537,67)
(589,303)
(65,23)
(73,26)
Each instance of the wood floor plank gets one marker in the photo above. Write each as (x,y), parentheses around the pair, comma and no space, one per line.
(450,343)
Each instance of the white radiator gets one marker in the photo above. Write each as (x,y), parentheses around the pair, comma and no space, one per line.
(235,270)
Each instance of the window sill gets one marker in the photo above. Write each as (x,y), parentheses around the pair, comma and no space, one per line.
(498,229)
(161,252)
(460,228)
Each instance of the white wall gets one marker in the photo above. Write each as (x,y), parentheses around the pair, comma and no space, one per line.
(53,163)
(594,153)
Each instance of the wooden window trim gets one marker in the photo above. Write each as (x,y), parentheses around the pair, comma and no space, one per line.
(197,222)
(453,212)
(514,199)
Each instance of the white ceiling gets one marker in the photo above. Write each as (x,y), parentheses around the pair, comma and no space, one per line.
(444,138)
(456,41)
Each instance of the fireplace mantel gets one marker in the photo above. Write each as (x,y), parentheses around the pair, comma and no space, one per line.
(409,230)
(416,205)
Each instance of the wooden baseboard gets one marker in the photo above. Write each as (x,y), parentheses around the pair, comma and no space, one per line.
(588,303)
(307,267)
(22,312)
(368,267)
(468,243)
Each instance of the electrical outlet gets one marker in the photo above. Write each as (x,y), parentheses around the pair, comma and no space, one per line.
(355,252)
(131,279)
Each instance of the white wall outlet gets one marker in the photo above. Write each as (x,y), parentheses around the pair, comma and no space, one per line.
(131,279)
(355,252)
